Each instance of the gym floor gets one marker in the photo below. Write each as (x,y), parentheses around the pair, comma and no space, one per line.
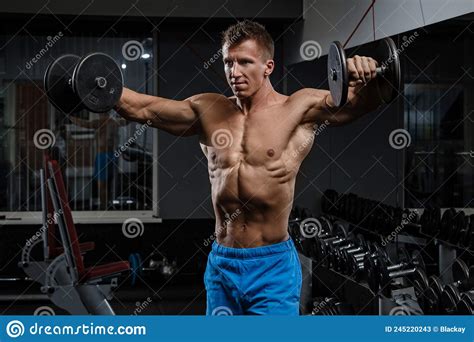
(393,188)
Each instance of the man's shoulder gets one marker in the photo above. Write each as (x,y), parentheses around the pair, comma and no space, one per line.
(306,92)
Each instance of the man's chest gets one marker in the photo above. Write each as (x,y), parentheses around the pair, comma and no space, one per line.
(255,140)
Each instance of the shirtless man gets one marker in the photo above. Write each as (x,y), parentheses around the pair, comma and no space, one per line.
(250,141)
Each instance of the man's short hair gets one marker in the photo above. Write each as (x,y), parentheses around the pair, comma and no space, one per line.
(248,29)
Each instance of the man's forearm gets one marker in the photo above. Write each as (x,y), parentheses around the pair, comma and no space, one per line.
(364,99)
(133,106)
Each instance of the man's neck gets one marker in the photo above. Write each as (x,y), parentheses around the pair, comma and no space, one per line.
(261,98)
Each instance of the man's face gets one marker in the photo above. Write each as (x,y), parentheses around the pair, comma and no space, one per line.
(245,66)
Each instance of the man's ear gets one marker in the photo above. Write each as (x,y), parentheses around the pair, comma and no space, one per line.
(269,66)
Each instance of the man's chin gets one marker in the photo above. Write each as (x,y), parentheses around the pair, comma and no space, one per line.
(241,94)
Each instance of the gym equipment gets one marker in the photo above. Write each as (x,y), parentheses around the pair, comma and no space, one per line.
(93,82)
(92,285)
(380,273)
(453,298)
(388,73)
(452,227)
(330,306)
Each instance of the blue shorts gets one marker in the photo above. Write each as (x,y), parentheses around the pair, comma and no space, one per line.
(253,281)
(104,165)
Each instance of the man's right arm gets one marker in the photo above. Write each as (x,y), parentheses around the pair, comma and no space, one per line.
(174,117)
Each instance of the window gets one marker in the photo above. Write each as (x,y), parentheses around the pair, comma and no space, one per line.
(107,162)
(439,116)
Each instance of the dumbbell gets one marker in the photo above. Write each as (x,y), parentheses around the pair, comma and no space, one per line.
(353,263)
(380,273)
(450,294)
(353,248)
(93,82)
(438,298)
(452,226)
(324,246)
(297,215)
(330,306)
(384,52)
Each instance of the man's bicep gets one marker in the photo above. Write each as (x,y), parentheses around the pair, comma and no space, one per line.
(175,117)
(322,110)
(313,102)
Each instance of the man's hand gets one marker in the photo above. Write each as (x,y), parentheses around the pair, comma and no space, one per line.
(361,70)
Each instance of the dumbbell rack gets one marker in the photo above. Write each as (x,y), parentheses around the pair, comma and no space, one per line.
(359,295)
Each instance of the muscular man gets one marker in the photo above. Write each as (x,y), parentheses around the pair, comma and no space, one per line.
(254,142)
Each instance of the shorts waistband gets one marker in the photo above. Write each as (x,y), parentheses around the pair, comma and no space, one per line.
(248,253)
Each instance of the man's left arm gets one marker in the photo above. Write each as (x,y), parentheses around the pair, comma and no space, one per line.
(363,96)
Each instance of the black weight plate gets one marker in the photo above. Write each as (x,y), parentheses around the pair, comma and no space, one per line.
(464,308)
(419,277)
(436,284)
(339,230)
(468,297)
(431,301)
(447,223)
(460,270)
(461,222)
(453,291)
(56,84)
(84,81)
(372,273)
(389,84)
(447,303)
(338,79)
(417,259)
(425,221)
(435,219)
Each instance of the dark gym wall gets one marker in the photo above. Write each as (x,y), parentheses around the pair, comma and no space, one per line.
(151,8)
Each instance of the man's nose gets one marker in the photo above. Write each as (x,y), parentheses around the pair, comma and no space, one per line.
(235,71)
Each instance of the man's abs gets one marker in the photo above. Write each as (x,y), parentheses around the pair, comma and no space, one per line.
(252,205)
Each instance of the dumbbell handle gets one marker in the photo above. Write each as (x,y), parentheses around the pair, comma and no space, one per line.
(355,250)
(380,70)
(465,284)
(402,273)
